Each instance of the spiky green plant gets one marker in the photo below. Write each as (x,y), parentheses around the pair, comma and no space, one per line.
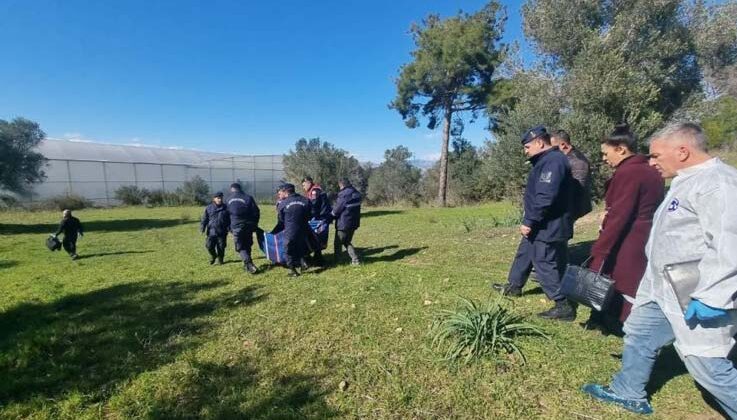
(474,330)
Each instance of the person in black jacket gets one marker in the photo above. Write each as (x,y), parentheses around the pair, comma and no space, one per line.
(293,217)
(215,224)
(71,227)
(319,211)
(347,215)
(547,224)
(244,217)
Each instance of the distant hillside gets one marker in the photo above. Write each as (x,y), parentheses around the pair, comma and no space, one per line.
(423,163)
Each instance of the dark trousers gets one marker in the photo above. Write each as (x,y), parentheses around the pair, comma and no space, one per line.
(243,239)
(216,246)
(548,258)
(313,245)
(70,245)
(344,238)
(295,246)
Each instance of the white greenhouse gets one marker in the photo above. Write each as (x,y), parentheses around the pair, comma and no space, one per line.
(96,170)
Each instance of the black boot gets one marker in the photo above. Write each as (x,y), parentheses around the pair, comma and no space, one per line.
(303,264)
(319,260)
(212,261)
(562,311)
(507,289)
(249,267)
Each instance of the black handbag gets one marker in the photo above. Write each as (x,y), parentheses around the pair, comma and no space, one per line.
(52,243)
(587,287)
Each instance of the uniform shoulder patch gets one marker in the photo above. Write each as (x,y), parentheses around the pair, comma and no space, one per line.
(546,177)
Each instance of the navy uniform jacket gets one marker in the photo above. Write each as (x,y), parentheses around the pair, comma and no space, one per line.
(347,209)
(70,227)
(244,212)
(548,197)
(293,216)
(216,220)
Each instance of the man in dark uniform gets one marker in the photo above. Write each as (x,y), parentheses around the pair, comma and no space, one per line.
(347,215)
(293,218)
(547,225)
(319,210)
(70,226)
(244,217)
(215,224)
(580,170)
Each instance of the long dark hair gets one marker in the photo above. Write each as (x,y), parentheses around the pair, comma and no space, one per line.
(622,136)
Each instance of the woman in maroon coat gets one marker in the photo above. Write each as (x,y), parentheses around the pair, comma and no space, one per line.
(633,194)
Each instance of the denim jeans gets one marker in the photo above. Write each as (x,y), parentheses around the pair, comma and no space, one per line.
(646,331)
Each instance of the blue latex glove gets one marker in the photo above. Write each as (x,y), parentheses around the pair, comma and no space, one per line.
(703,312)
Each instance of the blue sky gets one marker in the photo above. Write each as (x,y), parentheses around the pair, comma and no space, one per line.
(226,76)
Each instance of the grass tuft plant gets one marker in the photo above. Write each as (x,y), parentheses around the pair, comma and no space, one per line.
(474,330)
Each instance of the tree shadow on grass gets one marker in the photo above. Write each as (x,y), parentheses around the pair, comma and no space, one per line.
(379,213)
(105,254)
(89,343)
(123,225)
(7,264)
(239,390)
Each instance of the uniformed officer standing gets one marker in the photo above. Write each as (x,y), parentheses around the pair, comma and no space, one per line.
(547,225)
(215,224)
(70,226)
(319,210)
(244,218)
(293,218)
(347,215)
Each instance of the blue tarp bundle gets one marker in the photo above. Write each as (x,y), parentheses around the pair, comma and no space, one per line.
(272,245)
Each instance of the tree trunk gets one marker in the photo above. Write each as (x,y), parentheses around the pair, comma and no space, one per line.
(443,181)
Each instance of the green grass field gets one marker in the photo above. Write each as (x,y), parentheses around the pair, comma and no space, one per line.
(142,327)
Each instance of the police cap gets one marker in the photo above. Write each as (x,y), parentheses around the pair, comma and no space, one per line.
(218,194)
(533,133)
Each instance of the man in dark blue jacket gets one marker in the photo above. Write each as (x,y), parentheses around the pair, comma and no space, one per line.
(293,217)
(547,224)
(244,217)
(215,224)
(347,215)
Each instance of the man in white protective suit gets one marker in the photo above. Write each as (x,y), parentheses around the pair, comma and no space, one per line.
(695,224)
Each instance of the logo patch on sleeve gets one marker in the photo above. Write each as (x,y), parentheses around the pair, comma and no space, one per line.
(546,177)
(673,206)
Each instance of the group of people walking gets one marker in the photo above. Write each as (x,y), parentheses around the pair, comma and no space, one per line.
(240,215)
(651,244)
(647,239)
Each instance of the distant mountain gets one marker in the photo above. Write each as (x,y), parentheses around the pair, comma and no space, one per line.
(423,163)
